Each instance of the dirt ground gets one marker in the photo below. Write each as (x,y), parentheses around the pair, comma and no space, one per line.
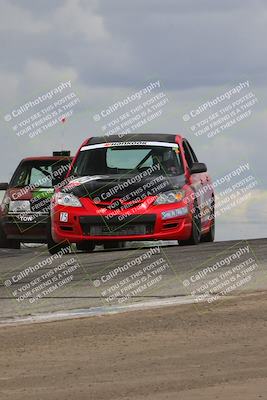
(171,353)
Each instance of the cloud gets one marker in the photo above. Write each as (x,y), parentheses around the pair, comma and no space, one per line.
(186,44)
(74,19)
(16,18)
(37,71)
(10,83)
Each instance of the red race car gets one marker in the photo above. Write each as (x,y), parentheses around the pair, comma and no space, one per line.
(146,187)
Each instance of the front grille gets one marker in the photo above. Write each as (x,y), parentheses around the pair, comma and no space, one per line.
(112,230)
(133,225)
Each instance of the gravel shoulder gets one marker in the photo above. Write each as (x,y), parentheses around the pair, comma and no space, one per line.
(180,352)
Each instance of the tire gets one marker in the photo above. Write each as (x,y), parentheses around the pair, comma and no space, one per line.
(195,235)
(113,244)
(54,247)
(210,236)
(8,243)
(87,246)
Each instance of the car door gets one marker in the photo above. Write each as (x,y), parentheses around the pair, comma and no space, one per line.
(205,192)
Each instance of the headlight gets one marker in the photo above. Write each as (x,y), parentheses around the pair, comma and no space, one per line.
(19,206)
(170,197)
(67,199)
(5,203)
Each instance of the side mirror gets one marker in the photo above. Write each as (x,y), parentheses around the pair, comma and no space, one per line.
(3,186)
(198,167)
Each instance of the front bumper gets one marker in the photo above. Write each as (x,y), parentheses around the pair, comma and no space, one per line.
(149,225)
(27,227)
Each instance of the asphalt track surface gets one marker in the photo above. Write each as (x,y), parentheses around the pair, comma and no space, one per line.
(33,283)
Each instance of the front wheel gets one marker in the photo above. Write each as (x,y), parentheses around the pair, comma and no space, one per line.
(87,246)
(195,230)
(210,236)
(8,243)
(54,247)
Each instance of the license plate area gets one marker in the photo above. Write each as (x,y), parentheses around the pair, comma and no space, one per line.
(102,230)
(130,226)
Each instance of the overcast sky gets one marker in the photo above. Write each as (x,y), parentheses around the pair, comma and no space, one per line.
(109,49)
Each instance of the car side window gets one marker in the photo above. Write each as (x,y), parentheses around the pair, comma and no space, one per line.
(192,152)
(187,153)
(41,177)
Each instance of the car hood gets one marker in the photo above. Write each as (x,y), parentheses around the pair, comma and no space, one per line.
(105,188)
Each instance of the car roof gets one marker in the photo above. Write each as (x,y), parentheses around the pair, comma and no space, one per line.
(158,137)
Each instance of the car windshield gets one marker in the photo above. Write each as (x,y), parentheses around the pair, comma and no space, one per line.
(43,173)
(128,159)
